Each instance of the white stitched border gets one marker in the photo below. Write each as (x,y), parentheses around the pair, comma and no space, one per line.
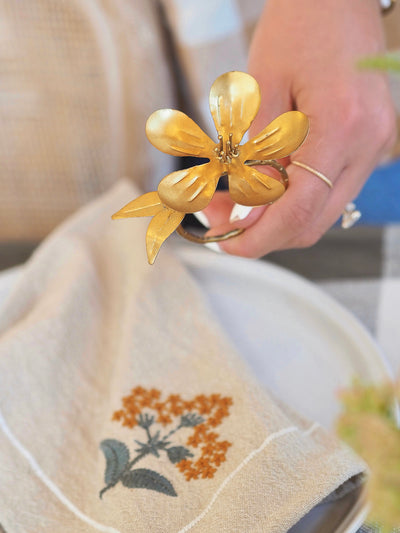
(251,455)
(312,428)
(107,529)
(49,484)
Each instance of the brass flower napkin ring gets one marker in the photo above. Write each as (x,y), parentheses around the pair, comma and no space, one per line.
(234,102)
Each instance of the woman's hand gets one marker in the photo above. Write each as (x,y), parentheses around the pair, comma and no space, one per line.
(304,55)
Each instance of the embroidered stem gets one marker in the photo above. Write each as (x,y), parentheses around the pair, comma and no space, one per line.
(149,437)
(126,469)
(106,488)
(134,461)
(172,432)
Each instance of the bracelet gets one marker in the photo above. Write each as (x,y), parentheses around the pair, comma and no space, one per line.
(387,5)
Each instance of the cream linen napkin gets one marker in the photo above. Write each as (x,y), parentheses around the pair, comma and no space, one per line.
(116,378)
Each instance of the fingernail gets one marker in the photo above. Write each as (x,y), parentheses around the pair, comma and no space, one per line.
(201,217)
(239,212)
(214,246)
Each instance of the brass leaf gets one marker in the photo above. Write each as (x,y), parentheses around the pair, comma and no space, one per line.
(160,228)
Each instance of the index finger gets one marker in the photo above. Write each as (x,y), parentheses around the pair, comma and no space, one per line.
(297,209)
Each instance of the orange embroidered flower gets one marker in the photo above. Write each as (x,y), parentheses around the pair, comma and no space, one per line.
(164,419)
(159,406)
(210,437)
(199,415)
(218,459)
(155,394)
(208,449)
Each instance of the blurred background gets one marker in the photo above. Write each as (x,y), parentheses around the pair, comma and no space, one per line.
(78,79)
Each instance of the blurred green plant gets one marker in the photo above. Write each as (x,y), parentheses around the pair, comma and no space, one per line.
(388,62)
(369,424)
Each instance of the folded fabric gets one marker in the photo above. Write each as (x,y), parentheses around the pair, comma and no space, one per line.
(123,406)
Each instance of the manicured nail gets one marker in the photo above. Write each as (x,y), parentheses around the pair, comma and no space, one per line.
(214,246)
(201,217)
(239,212)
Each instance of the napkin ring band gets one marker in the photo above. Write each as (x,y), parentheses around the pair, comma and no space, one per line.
(284,179)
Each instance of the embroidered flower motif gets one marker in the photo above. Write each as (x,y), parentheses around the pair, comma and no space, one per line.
(195,418)
(234,102)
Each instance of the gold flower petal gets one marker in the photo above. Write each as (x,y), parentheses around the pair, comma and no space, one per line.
(191,189)
(279,139)
(174,133)
(147,205)
(160,228)
(248,186)
(234,102)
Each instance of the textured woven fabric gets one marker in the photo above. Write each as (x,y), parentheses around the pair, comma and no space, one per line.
(78,79)
(117,382)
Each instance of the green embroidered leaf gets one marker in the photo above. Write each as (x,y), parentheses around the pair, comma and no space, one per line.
(142,478)
(178,453)
(117,457)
